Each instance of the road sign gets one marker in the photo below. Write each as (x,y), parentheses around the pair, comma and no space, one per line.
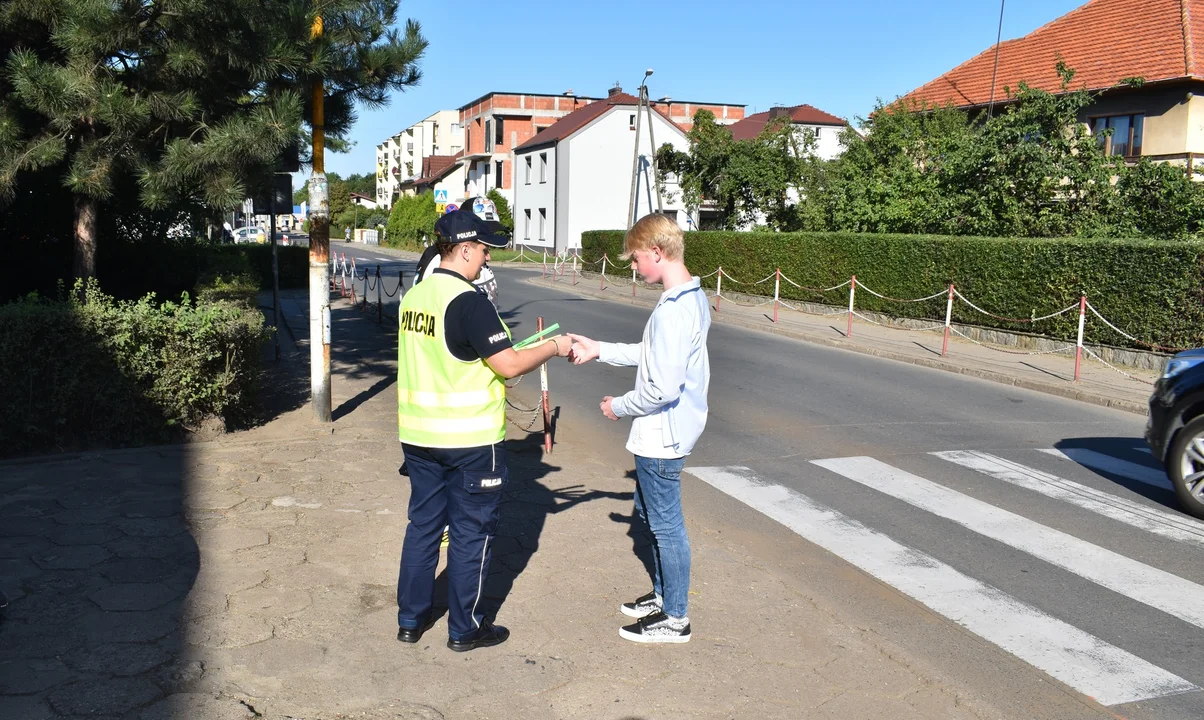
(451,208)
(440,207)
(441,196)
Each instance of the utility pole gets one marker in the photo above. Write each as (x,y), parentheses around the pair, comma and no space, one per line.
(319,257)
(642,106)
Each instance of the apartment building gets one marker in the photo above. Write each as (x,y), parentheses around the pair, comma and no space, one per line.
(399,158)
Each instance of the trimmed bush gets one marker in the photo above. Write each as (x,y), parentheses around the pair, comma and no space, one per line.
(1152,289)
(256,260)
(106,372)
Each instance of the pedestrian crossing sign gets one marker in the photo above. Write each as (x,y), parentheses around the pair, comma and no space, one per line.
(441,196)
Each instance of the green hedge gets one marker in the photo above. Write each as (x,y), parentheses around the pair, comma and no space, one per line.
(102,372)
(293,262)
(1152,289)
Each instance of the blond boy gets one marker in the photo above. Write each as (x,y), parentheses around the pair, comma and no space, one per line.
(668,407)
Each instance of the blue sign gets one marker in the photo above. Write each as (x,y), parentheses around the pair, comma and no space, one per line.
(441,196)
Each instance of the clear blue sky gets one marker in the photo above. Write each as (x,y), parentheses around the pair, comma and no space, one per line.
(837,56)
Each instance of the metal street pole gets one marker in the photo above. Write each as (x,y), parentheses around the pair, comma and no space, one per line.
(319,258)
(635,162)
(660,207)
(275,271)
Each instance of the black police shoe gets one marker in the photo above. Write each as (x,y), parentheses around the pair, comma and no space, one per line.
(487,635)
(413,635)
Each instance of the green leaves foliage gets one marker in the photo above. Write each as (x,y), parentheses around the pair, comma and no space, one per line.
(412,218)
(97,371)
(1152,289)
(1031,169)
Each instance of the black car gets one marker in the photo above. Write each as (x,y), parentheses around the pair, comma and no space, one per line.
(1175,431)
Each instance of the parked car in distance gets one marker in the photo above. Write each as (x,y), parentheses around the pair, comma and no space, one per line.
(250,235)
(1175,431)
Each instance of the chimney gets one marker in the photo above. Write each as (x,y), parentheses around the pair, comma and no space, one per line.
(614,90)
(569,93)
(778,111)
(665,99)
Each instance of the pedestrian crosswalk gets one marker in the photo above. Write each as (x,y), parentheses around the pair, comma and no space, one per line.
(1044,637)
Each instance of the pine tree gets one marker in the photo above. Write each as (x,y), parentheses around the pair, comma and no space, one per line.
(194,99)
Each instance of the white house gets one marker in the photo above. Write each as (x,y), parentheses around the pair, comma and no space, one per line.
(576,175)
(363,201)
(399,158)
(824,126)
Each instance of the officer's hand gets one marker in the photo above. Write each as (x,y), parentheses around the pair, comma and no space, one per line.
(563,345)
(584,349)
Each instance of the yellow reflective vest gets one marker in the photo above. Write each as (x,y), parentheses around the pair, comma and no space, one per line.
(442,401)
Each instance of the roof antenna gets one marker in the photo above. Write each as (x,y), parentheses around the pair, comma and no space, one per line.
(995,72)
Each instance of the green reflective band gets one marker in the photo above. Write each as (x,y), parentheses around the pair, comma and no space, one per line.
(536,336)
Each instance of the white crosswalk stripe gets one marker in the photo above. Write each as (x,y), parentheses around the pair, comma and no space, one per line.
(1156,588)
(1115,466)
(1092,666)
(1174,526)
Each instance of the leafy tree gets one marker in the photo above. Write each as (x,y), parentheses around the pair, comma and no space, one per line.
(504,216)
(192,100)
(413,217)
(362,184)
(1032,170)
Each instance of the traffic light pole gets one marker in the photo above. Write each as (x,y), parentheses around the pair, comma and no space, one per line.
(319,258)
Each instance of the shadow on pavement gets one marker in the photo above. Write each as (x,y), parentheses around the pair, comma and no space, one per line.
(525,509)
(1125,462)
(97,560)
(640,534)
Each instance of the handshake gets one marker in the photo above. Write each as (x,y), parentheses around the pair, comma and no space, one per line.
(581,350)
(578,349)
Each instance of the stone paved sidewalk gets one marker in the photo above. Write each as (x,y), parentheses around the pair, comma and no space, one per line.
(254,576)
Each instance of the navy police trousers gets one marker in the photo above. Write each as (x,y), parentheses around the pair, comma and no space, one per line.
(460,488)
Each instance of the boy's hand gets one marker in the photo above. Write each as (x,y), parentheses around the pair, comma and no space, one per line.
(607,410)
(584,349)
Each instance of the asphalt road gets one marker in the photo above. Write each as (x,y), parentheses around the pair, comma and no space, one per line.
(1039,544)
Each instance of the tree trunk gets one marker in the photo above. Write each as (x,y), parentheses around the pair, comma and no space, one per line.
(84,265)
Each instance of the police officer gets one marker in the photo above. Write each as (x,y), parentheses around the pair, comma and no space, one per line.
(454,355)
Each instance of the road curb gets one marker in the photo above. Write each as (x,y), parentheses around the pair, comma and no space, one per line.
(1068,392)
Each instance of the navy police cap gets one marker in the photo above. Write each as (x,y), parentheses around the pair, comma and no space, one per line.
(464,226)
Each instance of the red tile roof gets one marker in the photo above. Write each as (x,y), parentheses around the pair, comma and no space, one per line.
(435,168)
(578,119)
(751,126)
(1103,41)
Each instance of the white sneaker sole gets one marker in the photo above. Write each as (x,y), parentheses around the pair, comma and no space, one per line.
(652,639)
(635,613)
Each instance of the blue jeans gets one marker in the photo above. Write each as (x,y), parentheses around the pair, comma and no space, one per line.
(658,503)
(461,488)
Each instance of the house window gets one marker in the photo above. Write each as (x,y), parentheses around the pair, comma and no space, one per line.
(631,122)
(467,141)
(435,134)
(528,171)
(1126,137)
(488,136)
(543,218)
(499,136)
(543,167)
(527,225)
(455,128)
(497,174)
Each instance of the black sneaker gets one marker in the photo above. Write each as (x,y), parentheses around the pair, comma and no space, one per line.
(658,628)
(487,635)
(643,606)
(413,635)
